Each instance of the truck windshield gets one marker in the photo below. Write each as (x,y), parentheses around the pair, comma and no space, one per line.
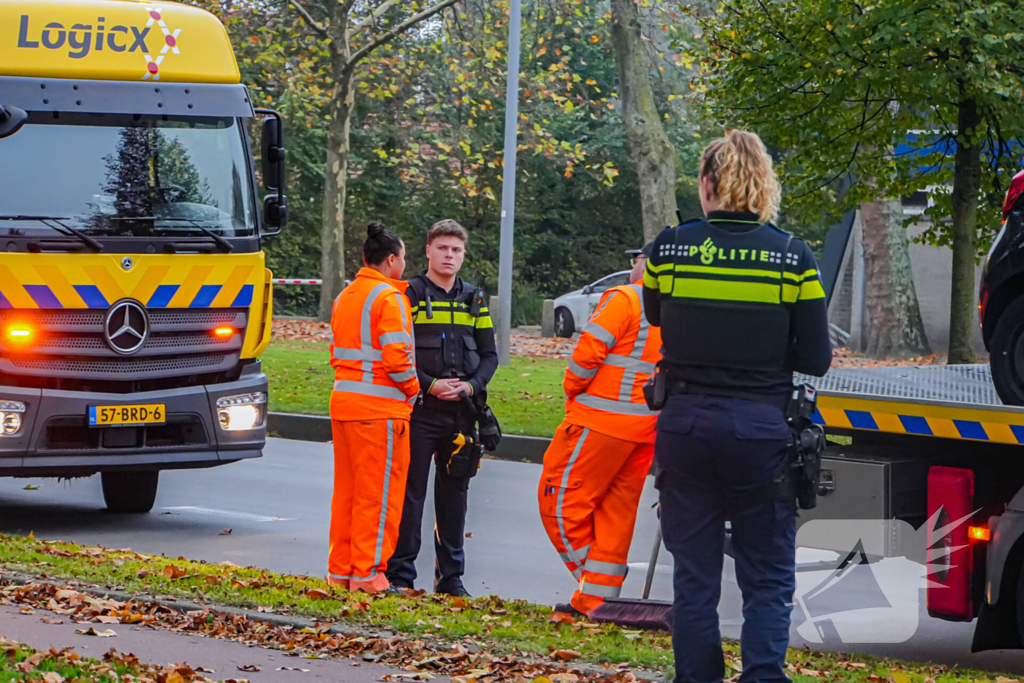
(128,176)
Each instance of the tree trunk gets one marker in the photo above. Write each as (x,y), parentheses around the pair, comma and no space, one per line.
(332,230)
(894,328)
(966,186)
(650,149)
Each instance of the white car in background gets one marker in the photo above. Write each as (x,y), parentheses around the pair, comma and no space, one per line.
(573,310)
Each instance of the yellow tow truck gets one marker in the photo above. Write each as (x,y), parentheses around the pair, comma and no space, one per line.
(134,297)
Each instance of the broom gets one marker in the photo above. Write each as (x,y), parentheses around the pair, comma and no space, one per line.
(643,613)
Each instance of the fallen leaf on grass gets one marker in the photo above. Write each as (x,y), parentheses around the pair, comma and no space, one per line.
(248,668)
(898,677)
(109,633)
(226,532)
(174,573)
(212,579)
(810,672)
(292,668)
(566,655)
(52,677)
(317,594)
(228,563)
(559,618)
(459,603)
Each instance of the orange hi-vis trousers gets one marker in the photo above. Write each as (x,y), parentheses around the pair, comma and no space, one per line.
(589,493)
(371,462)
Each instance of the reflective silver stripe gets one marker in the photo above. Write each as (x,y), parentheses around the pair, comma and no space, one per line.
(370,389)
(602,335)
(577,574)
(637,353)
(405,328)
(627,362)
(612,406)
(395,338)
(384,494)
(365,331)
(357,354)
(372,575)
(600,591)
(339,576)
(580,371)
(606,568)
(581,554)
(561,495)
(568,558)
(403,376)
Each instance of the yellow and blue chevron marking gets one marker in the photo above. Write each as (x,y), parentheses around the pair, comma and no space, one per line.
(998,424)
(31,281)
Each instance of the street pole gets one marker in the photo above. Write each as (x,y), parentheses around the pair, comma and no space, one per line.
(508,189)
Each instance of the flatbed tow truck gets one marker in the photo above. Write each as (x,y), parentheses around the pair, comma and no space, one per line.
(935,447)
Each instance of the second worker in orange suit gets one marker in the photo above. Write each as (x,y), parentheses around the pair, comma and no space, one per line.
(375,385)
(595,467)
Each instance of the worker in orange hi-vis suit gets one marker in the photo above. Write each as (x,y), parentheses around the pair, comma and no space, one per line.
(375,386)
(595,467)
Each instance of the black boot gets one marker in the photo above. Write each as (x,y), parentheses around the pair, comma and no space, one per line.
(566,608)
(456,591)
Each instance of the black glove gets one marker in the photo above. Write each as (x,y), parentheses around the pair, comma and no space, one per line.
(490,430)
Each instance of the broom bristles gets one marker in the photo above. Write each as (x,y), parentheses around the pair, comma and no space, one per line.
(652,615)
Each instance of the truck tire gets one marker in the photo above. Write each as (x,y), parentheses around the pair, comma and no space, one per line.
(564,325)
(130,491)
(1007,354)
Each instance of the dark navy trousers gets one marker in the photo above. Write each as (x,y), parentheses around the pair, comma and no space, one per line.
(716,460)
(451,498)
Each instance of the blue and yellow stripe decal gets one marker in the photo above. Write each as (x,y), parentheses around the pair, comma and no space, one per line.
(34,281)
(948,421)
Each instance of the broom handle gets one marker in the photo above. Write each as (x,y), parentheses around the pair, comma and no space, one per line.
(654,561)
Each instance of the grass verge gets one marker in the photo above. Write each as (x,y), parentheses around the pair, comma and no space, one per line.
(20,663)
(507,629)
(526,395)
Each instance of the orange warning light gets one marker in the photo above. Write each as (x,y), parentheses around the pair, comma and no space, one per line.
(979,533)
(224,332)
(19,333)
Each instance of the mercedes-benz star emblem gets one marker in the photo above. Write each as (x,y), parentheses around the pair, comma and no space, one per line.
(127,263)
(126,326)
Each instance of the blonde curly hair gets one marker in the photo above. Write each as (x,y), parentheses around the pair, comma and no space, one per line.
(740,169)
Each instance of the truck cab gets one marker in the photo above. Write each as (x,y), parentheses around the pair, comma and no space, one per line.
(134,296)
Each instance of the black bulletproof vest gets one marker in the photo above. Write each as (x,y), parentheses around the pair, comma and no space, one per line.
(727,308)
(444,329)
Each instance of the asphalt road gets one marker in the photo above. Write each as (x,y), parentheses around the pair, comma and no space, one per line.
(278,508)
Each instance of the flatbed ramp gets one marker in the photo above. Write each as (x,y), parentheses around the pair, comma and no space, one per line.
(945,401)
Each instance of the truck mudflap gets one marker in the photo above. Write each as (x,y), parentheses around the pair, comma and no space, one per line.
(56,439)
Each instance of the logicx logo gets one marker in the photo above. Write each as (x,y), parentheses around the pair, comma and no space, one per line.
(81,40)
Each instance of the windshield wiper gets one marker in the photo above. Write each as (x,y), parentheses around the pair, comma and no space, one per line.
(64,229)
(220,241)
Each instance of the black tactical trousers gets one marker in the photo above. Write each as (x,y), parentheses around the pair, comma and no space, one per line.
(451,496)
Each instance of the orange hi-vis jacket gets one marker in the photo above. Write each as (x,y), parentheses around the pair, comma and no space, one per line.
(372,353)
(615,355)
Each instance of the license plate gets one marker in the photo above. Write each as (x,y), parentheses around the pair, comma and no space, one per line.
(125,416)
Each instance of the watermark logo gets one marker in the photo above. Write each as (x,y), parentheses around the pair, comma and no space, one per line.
(873,591)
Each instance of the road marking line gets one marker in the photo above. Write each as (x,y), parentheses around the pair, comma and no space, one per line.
(658,568)
(229,513)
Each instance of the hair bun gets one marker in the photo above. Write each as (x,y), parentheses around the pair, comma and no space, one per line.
(374,230)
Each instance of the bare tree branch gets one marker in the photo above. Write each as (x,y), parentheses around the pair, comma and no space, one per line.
(319,28)
(397,30)
(374,16)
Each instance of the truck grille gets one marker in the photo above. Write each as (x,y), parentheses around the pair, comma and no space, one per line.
(70,344)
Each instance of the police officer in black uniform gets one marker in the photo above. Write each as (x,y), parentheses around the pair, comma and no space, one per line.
(456,357)
(741,307)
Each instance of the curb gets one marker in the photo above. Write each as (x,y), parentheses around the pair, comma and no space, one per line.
(316,428)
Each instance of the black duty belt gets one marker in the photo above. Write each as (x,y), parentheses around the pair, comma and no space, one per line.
(678,386)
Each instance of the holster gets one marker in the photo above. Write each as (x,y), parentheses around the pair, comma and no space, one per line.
(464,461)
(808,443)
(656,389)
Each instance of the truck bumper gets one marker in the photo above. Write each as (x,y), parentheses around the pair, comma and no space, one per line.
(56,440)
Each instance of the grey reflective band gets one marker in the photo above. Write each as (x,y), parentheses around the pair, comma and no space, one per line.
(561,499)
(357,354)
(365,330)
(580,371)
(403,376)
(612,406)
(395,338)
(600,591)
(637,353)
(384,494)
(606,568)
(339,576)
(628,363)
(577,574)
(600,333)
(370,577)
(371,389)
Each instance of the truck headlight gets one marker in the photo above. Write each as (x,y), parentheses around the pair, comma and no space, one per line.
(10,417)
(241,412)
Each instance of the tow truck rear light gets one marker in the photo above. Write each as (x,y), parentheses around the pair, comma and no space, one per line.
(979,533)
(950,553)
(1016,188)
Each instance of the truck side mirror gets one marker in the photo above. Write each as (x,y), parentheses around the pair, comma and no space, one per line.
(11,120)
(275,204)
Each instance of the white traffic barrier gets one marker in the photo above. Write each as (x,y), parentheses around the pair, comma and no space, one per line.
(296,281)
